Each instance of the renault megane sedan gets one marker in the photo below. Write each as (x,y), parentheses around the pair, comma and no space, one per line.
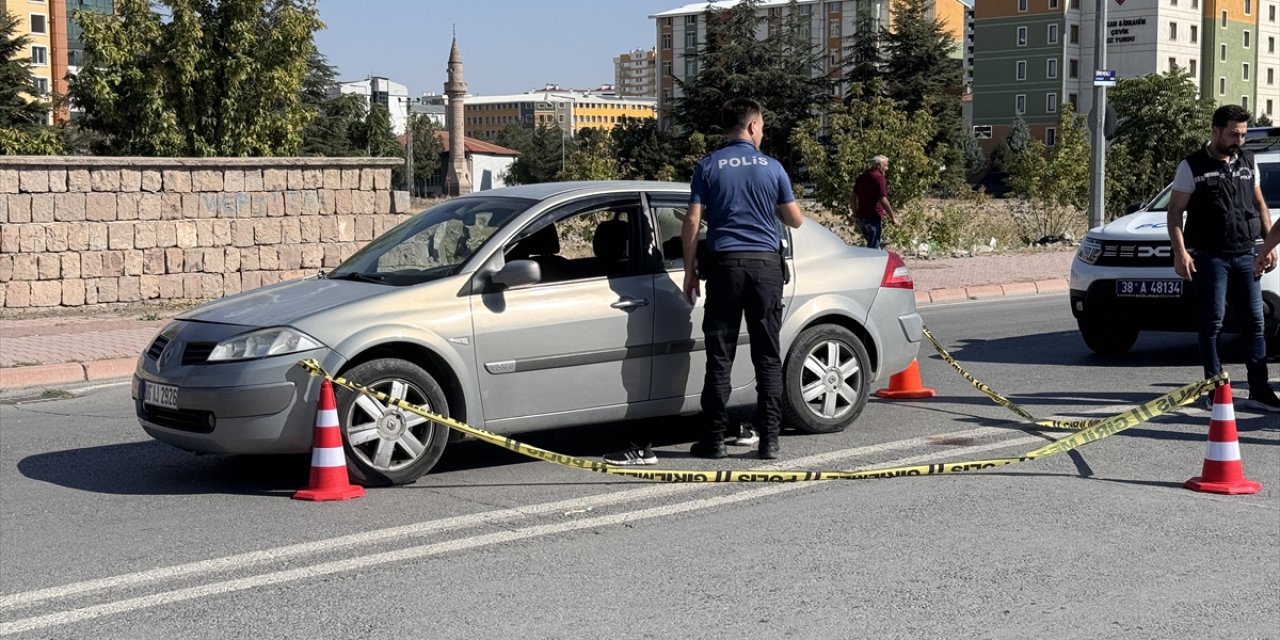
(515,309)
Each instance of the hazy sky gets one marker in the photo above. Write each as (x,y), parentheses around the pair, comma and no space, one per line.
(508,46)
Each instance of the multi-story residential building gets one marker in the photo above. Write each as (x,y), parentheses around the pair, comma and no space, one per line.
(1030,56)
(830,24)
(570,111)
(378,90)
(53,42)
(635,73)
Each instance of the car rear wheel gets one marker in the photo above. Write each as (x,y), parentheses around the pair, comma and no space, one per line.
(826,378)
(1107,339)
(384,444)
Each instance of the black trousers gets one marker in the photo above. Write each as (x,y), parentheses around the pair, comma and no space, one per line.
(741,284)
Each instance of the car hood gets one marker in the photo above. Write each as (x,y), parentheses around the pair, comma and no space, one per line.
(284,303)
(1140,225)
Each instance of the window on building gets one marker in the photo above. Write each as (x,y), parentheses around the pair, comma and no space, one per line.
(1053,4)
(1271,44)
(1195,34)
(1192,68)
(41,86)
(1222,86)
(1075,33)
(1050,136)
(691,39)
(1051,103)
(1244,71)
(666,22)
(833,29)
(1051,68)
(666,41)
(1173,65)
(39,24)
(691,20)
(1247,40)
(1271,13)
(1019,104)
(1195,4)
(1248,7)
(1074,99)
(1052,34)
(1022,36)
(775,12)
(1173,31)
(39,55)
(1073,68)
(833,7)
(666,69)
(1224,19)
(1022,6)
(1244,101)
(1224,53)
(1271,76)
(1173,3)
(1268,107)
(690,68)
(806,9)
(1020,70)
(1075,4)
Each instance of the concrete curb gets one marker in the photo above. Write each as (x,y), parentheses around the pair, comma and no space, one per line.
(45,375)
(989,291)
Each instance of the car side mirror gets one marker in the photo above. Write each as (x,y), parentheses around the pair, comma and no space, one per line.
(1133,207)
(518,272)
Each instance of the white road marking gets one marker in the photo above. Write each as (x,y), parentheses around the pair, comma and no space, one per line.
(425,551)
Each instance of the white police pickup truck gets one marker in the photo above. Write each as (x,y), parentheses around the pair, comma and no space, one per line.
(1122,278)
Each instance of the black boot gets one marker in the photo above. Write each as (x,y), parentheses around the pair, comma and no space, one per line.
(713,449)
(769,449)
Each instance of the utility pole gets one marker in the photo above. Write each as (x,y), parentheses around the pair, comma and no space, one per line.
(1098,140)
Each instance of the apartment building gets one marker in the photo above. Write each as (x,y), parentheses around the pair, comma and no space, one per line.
(1031,56)
(570,111)
(54,43)
(378,90)
(636,73)
(830,25)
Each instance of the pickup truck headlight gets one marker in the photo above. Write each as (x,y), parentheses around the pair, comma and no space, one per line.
(275,341)
(1090,250)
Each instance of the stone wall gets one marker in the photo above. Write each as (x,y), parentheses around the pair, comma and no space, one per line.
(79,231)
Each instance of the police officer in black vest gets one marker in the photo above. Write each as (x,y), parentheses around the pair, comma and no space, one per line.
(1219,189)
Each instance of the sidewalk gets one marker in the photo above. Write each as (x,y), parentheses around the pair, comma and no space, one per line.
(74,348)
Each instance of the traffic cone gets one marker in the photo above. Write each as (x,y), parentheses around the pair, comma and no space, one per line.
(906,385)
(328,462)
(1223,472)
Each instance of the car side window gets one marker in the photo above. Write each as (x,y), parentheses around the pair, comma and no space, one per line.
(579,243)
(669,216)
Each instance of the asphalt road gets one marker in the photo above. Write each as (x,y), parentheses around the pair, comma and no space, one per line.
(107,534)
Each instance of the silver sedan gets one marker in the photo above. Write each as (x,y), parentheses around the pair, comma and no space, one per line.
(514,309)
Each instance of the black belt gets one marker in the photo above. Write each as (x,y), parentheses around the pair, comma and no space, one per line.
(772,256)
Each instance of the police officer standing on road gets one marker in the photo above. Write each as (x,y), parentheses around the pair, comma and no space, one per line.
(1220,190)
(742,193)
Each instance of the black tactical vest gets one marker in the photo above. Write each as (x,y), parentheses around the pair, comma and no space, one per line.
(1222,214)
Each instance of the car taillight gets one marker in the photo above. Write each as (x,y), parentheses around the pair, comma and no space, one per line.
(896,274)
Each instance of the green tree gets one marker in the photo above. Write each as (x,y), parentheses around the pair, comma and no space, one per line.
(858,132)
(592,158)
(335,121)
(975,162)
(427,148)
(1054,181)
(542,153)
(214,77)
(734,63)
(1017,140)
(1160,120)
(22,117)
(863,54)
(641,148)
(922,74)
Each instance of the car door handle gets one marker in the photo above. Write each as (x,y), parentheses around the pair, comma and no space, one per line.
(630,303)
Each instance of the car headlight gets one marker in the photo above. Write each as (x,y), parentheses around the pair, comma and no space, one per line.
(262,343)
(1089,251)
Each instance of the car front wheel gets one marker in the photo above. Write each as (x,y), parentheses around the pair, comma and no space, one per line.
(1107,339)
(826,378)
(384,444)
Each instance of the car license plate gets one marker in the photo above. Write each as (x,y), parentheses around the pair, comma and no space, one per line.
(161,395)
(1148,288)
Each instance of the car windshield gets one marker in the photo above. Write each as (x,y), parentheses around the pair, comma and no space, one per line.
(431,245)
(1270,180)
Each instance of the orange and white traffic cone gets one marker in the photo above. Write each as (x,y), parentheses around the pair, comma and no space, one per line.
(906,385)
(1223,472)
(328,462)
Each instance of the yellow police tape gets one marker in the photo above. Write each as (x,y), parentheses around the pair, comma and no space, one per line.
(1104,428)
(1008,404)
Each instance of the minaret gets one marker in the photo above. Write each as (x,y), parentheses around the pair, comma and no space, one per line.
(457,178)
